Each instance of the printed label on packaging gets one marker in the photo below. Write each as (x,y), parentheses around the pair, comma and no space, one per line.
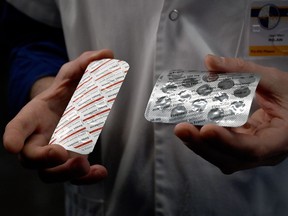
(89,107)
(268,35)
(202,97)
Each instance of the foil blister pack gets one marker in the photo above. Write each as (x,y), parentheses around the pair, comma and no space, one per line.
(90,105)
(202,97)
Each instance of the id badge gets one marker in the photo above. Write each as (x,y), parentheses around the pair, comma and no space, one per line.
(268,28)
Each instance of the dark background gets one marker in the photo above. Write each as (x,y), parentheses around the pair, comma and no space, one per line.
(21,191)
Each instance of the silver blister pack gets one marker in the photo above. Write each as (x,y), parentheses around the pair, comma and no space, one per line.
(202,97)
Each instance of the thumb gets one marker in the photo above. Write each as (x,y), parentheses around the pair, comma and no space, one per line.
(74,69)
(270,77)
(224,64)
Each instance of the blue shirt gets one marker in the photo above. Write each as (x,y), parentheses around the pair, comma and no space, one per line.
(29,51)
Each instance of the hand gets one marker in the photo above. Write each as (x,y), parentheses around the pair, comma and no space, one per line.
(29,132)
(262,141)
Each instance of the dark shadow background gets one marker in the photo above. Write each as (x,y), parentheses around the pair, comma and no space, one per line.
(21,191)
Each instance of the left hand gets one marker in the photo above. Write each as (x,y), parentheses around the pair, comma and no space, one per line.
(262,141)
(28,134)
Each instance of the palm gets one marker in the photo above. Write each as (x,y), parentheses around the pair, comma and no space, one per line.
(263,140)
(28,134)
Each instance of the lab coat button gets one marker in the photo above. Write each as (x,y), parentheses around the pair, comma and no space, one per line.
(174,15)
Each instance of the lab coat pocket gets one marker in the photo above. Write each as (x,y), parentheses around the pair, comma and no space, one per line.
(77,204)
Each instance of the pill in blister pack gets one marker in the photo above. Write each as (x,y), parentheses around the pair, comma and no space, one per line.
(202,97)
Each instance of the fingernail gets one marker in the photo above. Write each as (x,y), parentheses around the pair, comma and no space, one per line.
(217,59)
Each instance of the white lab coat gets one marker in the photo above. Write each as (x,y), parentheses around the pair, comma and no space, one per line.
(150,171)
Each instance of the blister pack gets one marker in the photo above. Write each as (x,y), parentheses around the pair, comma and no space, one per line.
(89,107)
(202,97)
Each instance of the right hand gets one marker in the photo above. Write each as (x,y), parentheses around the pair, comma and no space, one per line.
(262,141)
(29,132)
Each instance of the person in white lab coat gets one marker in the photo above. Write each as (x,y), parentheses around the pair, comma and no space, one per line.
(150,171)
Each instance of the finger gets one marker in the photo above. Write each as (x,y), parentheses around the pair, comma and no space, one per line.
(87,57)
(75,169)
(216,63)
(37,154)
(43,157)
(224,138)
(187,132)
(95,174)
(269,76)
(191,137)
(18,130)
(251,148)
(232,152)
(75,68)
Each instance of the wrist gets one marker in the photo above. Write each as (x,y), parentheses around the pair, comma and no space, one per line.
(41,85)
